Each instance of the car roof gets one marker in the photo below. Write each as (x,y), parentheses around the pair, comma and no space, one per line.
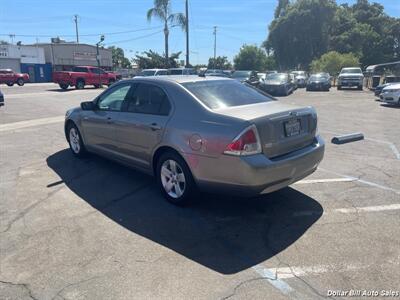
(154,70)
(179,78)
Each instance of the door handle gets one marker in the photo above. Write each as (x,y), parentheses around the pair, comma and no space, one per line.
(155,126)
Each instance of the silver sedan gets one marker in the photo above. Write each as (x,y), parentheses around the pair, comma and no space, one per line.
(195,133)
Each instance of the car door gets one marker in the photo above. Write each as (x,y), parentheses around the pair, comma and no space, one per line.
(142,122)
(99,125)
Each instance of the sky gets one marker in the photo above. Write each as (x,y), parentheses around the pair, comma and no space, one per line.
(124,24)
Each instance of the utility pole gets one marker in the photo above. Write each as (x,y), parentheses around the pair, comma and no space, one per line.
(76,28)
(12,36)
(187,33)
(215,44)
(98,57)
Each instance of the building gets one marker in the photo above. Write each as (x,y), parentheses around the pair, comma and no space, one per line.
(26,59)
(63,56)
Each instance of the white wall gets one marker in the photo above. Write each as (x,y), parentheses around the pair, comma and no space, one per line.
(27,54)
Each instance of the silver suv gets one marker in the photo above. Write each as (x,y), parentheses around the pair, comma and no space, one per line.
(350,77)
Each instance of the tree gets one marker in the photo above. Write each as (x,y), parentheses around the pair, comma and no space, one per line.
(302,33)
(281,9)
(332,62)
(151,60)
(251,57)
(162,11)
(118,58)
(220,62)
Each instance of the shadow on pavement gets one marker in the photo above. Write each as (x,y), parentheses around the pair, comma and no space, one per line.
(390,105)
(222,233)
(59,90)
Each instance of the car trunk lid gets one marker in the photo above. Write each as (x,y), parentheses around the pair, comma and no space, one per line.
(282,128)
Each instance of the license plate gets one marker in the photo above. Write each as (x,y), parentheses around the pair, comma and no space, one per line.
(292,127)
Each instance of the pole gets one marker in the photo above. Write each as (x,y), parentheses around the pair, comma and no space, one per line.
(98,62)
(215,44)
(187,33)
(76,28)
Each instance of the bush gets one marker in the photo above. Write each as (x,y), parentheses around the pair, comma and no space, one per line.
(332,62)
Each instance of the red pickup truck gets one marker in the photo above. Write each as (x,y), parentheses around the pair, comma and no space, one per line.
(83,75)
(9,77)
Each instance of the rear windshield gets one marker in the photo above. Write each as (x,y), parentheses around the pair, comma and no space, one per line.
(217,94)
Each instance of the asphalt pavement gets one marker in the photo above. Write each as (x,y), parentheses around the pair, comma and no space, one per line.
(93,229)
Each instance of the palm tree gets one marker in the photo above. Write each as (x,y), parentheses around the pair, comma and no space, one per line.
(162,11)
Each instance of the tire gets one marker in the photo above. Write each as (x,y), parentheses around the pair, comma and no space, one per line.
(360,88)
(80,84)
(110,82)
(339,87)
(20,82)
(96,86)
(307,89)
(63,86)
(176,189)
(75,141)
(10,83)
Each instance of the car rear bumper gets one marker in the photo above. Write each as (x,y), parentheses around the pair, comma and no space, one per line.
(256,174)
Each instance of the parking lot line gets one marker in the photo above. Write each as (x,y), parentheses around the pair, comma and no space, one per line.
(272,278)
(392,146)
(369,208)
(310,181)
(366,182)
(30,123)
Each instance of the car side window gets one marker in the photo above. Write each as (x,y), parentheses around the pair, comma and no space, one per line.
(114,99)
(149,99)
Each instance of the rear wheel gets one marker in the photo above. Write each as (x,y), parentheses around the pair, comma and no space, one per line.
(80,84)
(63,86)
(75,141)
(175,179)
(20,81)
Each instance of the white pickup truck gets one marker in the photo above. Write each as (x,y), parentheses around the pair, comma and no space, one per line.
(350,77)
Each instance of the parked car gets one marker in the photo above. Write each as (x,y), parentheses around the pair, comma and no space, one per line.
(80,76)
(293,80)
(182,71)
(215,72)
(1,99)
(350,77)
(242,76)
(153,72)
(391,94)
(10,77)
(379,88)
(156,124)
(318,82)
(300,78)
(278,84)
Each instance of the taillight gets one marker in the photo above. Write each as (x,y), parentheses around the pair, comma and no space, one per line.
(246,143)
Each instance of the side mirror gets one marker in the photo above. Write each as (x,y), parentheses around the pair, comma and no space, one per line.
(88,105)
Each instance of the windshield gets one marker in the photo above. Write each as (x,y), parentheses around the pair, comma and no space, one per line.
(241,74)
(317,78)
(299,73)
(351,70)
(277,76)
(147,73)
(217,94)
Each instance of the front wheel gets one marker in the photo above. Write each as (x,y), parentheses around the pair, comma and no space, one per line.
(10,83)
(175,179)
(75,141)
(20,82)
(80,84)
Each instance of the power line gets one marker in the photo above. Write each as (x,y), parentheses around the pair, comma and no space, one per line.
(136,38)
(74,35)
